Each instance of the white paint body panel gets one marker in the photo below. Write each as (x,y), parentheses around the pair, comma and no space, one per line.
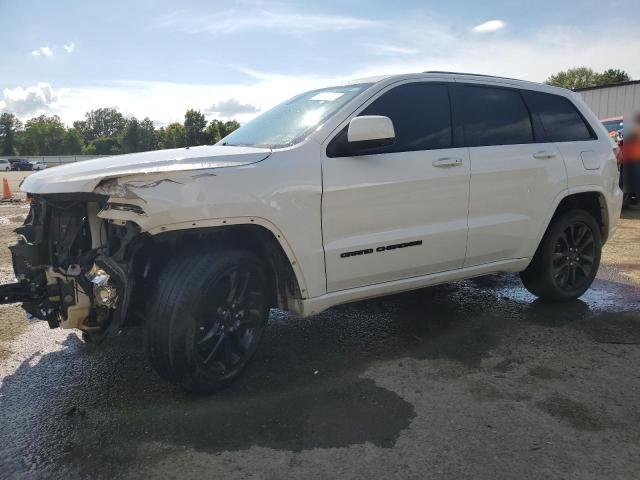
(84,176)
(372,201)
(510,194)
(502,198)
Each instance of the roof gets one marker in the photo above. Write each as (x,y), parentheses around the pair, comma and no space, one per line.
(445,74)
(463,76)
(611,85)
(472,75)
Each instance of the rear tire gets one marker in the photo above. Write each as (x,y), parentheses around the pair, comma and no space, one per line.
(567,258)
(206,318)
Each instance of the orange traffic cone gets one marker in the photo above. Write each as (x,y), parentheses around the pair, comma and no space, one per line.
(6,191)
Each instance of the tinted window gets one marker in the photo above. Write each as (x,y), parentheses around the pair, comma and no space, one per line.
(560,119)
(494,116)
(420,113)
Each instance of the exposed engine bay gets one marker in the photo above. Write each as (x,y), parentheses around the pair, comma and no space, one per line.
(74,269)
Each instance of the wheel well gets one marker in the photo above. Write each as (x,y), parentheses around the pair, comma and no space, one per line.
(159,249)
(592,202)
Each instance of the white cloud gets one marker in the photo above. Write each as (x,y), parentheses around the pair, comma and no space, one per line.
(488,27)
(69,47)
(392,50)
(431,44)
(231,108)
(45,51)
(261,17)
(29,101)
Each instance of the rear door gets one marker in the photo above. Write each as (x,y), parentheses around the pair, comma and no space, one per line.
(564,125)
(515,173)
(398,211)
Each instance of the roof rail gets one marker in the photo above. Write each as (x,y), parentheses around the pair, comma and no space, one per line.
(473,74)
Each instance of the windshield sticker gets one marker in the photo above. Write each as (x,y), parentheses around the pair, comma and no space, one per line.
(326,96)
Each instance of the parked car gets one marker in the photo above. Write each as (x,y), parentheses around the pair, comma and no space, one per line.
(615,127)
(39,166)
(5,165)
(339,194)
(20,164)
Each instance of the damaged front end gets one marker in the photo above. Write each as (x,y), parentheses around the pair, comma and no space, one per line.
(74,269)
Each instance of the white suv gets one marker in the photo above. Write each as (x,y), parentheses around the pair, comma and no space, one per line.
(336,195)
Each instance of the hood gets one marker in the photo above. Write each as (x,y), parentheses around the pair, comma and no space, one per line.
(85,175)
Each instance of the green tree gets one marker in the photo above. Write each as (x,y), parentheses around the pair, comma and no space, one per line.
(160,136)
(217,130)
(43,136)
(103,146)
(614,75)
(103,122)
(229,127)
(174,136)
(9,126)
(194,124)
(574,78)
(131,136)
(148,136)
(73,142)
(82,128)
(582,77)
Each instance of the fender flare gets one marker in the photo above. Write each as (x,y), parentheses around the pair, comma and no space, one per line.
(567,192)
(231,221)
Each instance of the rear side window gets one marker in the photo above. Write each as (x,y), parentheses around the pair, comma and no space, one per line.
(421,116)
(494,116)
(559,117)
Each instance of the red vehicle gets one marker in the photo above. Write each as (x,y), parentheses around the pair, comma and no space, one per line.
(629,160)
(614,126)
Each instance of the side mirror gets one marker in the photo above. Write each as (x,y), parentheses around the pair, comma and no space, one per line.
(370,131)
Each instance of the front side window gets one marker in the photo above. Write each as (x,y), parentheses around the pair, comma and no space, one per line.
(421,116)
(560,119)
(494,116)
(292,121)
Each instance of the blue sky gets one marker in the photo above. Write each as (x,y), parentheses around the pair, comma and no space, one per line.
(234,59)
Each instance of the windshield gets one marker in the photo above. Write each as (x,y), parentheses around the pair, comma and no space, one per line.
(292,121)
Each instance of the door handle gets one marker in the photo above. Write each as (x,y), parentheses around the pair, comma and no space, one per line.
(447,162)
(544,155)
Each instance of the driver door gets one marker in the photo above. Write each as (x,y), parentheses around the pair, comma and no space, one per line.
(397,211)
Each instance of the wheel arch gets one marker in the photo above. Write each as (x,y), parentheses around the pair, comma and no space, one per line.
(252,233)
(590,199)
(593,201)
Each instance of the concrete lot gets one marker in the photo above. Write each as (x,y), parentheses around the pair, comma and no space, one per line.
(472,379)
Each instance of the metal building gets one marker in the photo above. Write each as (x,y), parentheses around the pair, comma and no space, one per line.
(618,100)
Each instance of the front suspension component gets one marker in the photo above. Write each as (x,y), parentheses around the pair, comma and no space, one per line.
(15,293)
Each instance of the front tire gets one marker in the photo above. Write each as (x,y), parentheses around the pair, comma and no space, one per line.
(206,318)
(567,259)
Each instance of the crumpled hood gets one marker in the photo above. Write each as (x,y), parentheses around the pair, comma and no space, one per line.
(84,176)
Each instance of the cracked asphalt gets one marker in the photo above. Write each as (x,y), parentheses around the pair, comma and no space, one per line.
(472,379)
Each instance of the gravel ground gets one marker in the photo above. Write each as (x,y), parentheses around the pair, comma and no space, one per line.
(471,379)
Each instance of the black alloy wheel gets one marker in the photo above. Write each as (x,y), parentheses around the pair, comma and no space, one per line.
(231,322)
(206,317)
(573,257)
(567,259)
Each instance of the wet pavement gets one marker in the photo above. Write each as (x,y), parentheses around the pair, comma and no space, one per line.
(473,379)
